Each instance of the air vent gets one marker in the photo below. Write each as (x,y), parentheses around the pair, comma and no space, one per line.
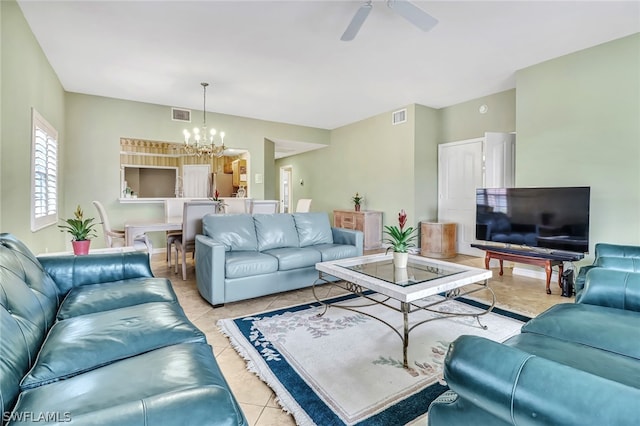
(178,114)
(398,117)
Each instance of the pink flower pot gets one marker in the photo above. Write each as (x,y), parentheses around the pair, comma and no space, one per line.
(81,247)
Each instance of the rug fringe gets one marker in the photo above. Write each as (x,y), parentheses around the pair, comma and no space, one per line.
(283,397)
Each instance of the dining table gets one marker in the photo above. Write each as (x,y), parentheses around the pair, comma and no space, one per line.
(134,228)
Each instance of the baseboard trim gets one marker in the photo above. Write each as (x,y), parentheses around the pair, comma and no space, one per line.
(532,273)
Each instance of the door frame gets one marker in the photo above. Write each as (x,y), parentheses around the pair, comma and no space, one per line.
(288,169)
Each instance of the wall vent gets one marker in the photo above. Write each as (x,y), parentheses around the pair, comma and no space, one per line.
(178,114)
(398,117)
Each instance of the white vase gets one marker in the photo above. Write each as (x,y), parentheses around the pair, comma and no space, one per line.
(400,259)
(400,275)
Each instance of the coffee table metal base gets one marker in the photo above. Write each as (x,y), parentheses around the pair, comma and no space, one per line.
(405,308)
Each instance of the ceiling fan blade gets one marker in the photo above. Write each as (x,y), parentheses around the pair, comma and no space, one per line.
(413,14)
(356,22)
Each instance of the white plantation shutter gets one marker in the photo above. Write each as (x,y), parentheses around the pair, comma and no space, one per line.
(44,173)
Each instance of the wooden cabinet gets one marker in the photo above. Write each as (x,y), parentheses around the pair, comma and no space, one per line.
(367,221)
(438,239)
(239,168)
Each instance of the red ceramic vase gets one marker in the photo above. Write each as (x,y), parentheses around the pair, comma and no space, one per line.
(357,206)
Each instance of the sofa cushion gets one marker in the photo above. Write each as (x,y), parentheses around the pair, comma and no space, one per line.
(80,344)
(335,251)
(101,297)
(313,228)
(275,231)
(175,385)
(294,258)
(247,263)
(611,329)
(234,231)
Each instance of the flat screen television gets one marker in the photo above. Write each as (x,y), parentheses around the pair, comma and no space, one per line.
(546,218)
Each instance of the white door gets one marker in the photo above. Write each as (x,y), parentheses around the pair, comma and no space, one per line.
(499,160)
(196,181)
(459,174)
(285,190)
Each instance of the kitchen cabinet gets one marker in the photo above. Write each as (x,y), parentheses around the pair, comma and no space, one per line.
(239,168)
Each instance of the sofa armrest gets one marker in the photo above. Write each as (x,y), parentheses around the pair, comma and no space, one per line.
(210,269)
(582,277)
(349,237)
(524,389)
(611,288)
(73,271)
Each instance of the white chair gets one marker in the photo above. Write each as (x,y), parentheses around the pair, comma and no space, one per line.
(264,206)
(237,205)
(116,237)
(173,208)
(304,205)
(192,215)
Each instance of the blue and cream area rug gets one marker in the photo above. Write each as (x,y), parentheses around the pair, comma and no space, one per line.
(344,368)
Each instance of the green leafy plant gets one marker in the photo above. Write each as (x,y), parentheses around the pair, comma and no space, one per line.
(81,229)
(401,239)
(357,199)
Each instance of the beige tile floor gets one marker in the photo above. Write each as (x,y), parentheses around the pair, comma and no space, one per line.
(519,294)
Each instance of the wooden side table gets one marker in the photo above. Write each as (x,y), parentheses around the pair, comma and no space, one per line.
(438,240)
(367,221)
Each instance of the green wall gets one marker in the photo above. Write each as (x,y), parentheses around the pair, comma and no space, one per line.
(99,123)
(464,121)
(27,80)
(392,167)
(578,123)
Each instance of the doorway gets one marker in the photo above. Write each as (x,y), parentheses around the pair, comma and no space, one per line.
(286,196)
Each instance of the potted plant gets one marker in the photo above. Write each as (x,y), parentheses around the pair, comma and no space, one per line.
(401,240)
(81,231)
(357,199)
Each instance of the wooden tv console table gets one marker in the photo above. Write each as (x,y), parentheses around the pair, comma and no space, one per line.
(529,257)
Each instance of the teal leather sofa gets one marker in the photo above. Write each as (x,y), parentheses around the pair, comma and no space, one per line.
(97,340)
(574,364)
(241,256)
(610,256)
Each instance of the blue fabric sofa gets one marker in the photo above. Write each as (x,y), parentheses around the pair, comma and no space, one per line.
(610,256)
(574,364)
(241,256)
(97,340)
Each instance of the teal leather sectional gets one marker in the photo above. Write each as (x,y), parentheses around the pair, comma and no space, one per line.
(610,256)
(241,256)
(97,340)
(574,364)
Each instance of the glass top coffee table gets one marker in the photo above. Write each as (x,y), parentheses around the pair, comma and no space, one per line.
(423,277)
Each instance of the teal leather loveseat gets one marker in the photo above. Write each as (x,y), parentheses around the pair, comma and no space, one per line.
(241,256)
(574,364)
(97,340)
(610,256)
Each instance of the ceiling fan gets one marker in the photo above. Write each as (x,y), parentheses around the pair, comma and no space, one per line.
(404,8)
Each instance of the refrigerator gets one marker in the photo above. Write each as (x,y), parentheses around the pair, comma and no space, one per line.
(223,182)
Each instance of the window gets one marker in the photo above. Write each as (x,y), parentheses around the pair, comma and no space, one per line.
(44,173)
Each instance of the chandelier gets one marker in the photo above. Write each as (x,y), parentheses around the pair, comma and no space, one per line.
(202,146)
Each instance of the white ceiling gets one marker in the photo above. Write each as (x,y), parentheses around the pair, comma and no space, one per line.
(283,60)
